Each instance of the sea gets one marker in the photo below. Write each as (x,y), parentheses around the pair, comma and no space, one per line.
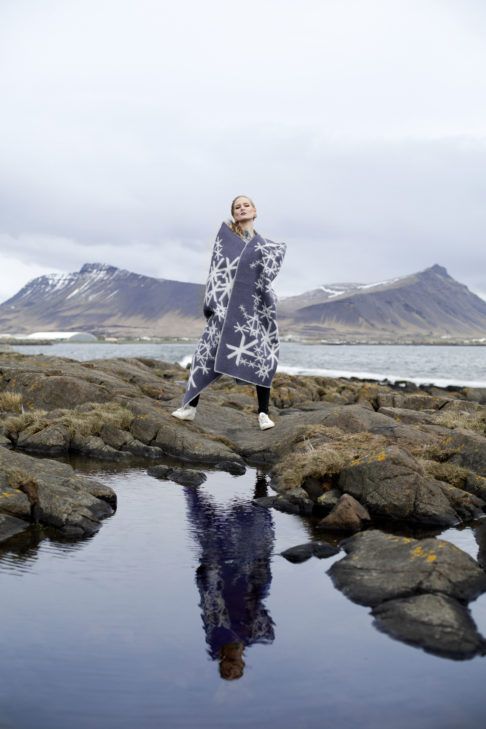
(441,365)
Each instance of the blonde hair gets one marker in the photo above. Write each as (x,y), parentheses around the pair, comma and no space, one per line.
(235,227)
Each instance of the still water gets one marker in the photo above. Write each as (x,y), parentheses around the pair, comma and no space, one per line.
(181,612)
(441,365)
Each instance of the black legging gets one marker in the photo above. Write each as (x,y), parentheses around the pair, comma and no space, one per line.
(263,395)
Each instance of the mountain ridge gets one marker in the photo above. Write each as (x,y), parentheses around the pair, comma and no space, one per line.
(106,300)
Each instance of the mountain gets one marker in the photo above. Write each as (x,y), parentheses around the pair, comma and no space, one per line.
(429,304)
(106,300)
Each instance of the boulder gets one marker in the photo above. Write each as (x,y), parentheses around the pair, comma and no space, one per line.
(45,391)
(357,419)
(144,427)
(300,498)
(236,468)
(480,536)
(466,449)
(13,501)
(114,437)
(10,526)
(323,550)
(437,623)
(347,515)
(183,476)
(51,493)
(409,417)
(53,439)
(95,447)
(463,407)
(466,505)
(302,552)
(178,439)
(389,482)
(74,513)
(277,502)
(476,485)
(139,449)
(381,567)
(328,500)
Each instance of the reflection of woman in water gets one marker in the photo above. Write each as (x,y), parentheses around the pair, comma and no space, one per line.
(233,577)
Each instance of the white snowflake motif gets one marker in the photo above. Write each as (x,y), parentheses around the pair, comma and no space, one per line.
(218,248)
(240,350)
(220,311)
(249,325)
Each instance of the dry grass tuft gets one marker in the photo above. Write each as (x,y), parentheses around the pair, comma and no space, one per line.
(14,424)
(19,478)
(10,402)
(320,463)
(324,461)
(80,420)
(448,472)
(469,421)
(312,432)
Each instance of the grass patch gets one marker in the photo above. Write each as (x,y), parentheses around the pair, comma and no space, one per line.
(10,402)
(469,421)
(86,419)
(14,424)
(323,461)
(448,472)
(19,478)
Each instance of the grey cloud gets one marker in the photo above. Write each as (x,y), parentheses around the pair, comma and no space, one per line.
(365,156)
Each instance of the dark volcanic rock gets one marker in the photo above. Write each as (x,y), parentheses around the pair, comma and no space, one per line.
(236,468)
(467,449)
(298,554)
(73,512)
(277,502)
(437,623)
(328,500)
(94,447)
(13,500)
(465,504)
(10,526)
(53,439)
(184,476)
(53,494)
(347,515)
(302,552)
(381,567)
(301,499)
(475,485)
(390,484)
(322,550)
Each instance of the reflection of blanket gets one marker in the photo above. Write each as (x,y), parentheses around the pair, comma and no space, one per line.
(241,334)
(234,574)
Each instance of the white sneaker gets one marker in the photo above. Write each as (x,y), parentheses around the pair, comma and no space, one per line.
(264,421)
(186,412)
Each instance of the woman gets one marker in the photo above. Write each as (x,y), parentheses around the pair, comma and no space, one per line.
(241,335)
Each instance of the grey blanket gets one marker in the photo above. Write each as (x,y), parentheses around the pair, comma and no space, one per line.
(241,335)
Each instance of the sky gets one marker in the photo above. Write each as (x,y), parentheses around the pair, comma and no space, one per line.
(358,127)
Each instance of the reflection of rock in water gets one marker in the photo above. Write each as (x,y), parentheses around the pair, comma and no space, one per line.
(480,535)
(233,576)
(418,589)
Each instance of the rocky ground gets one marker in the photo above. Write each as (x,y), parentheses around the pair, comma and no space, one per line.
(355,456)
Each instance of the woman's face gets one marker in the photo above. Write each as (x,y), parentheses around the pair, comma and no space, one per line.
(243,210)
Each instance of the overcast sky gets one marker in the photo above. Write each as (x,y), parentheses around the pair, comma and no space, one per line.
(357,126)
